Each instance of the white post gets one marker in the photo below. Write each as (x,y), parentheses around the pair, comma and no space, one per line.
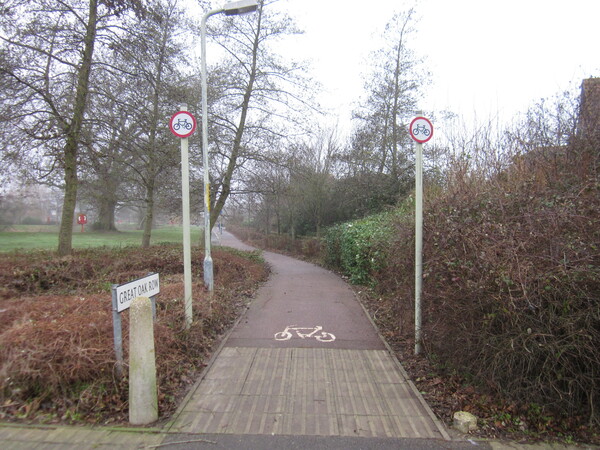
(187,251)
(418,243)
(143,394)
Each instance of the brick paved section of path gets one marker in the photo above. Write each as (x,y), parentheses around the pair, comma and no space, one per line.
(304,391)
(273,376)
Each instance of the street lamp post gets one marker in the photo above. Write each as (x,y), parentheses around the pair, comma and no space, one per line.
(230,9)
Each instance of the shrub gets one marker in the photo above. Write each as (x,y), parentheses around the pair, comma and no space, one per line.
(358,248)
(520,275)
(304,247)
(511,278)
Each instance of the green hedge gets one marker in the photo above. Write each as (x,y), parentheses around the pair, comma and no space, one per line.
(358,248)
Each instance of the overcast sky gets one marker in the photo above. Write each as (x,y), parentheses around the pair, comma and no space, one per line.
(486,58)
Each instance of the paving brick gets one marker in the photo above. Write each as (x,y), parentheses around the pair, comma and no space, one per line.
(307,391)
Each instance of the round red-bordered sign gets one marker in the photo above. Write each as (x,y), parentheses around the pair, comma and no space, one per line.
(421,129)
(182,124)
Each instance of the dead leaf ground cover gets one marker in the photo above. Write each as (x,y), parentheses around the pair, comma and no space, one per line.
(446,391)
(57,361)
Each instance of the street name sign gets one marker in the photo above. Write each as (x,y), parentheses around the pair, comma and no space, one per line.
(144,287)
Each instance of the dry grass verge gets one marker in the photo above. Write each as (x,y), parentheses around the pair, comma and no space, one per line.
(305,248)
(57,361)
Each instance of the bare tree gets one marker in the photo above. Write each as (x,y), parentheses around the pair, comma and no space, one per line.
(50,101)
(131,149)
(381,142)
(257,96)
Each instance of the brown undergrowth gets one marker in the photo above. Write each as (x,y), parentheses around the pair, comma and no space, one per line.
(511,311)
(511,289)
(57,361)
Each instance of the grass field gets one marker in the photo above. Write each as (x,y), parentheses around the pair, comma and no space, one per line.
(45,237)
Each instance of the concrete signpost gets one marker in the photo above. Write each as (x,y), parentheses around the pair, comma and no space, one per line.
(143,395)
(122,296)
(421,130)
(182,125)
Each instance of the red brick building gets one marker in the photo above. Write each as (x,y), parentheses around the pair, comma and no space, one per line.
(588,125)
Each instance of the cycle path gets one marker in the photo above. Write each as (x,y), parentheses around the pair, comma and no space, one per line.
(273,376)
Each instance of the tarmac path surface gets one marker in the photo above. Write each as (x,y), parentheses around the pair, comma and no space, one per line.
(305,360)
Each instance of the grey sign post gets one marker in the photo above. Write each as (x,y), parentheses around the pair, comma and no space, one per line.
(421,130)
(230,9)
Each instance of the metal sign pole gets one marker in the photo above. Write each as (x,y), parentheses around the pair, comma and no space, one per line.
(117,333)
(421,131)
(418,244)
(187,252)
(183,125)
(208,262)
(230,9)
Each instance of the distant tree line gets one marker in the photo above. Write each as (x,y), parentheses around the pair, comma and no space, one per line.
(321,179)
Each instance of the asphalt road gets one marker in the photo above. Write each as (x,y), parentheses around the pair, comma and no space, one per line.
(304,306)
(262,442)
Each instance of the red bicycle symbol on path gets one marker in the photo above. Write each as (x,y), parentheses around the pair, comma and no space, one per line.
(305,332)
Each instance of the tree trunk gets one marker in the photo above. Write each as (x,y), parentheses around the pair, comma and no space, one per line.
(237,143)
(106,218)
(384,143)
(149,217)
(65,235)
(152,163)
(396,100)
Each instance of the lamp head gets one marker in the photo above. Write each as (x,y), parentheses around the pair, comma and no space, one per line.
(240,7)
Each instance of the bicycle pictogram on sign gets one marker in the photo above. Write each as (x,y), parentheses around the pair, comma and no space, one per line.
(421,130)
(182,124)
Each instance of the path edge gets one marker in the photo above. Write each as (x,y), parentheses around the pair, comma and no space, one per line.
(169,424)
(437,422)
